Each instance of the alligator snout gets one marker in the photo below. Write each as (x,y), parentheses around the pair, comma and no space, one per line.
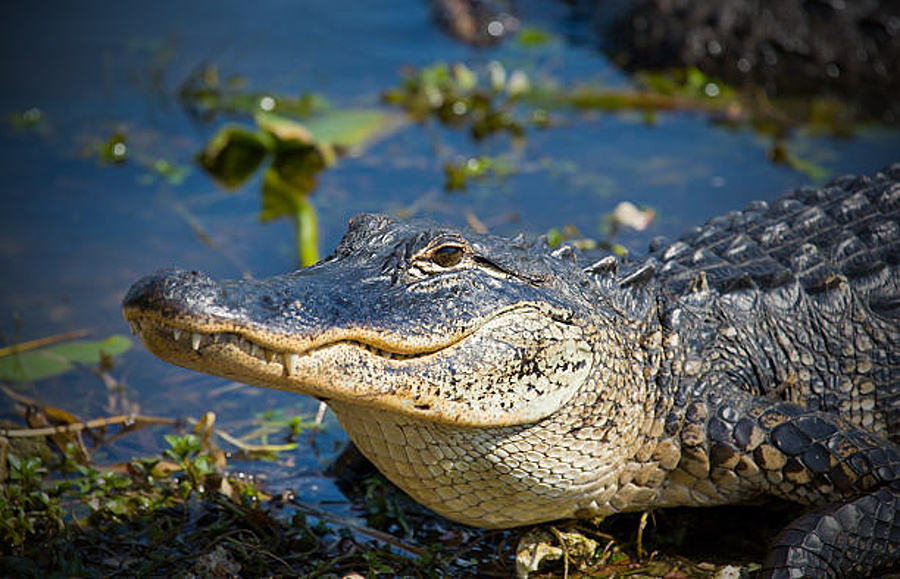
(170,290)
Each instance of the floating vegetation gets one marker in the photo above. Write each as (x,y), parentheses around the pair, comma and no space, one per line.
(30,361)
(782,154)
(114,150)
(162,170)
(458,175)
(295,154)
(457,96)
(495,101)
(626,214)
(33,119)
(531,37)
(206,95)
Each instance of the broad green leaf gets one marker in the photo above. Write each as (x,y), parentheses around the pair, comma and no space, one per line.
(279,198)
(34,365)
(233,155)
(284,198)
(284,129)
(352,128)
(59,358)
(88,352)
(290,178)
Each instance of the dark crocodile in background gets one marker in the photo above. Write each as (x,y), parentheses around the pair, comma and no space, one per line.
(502,384)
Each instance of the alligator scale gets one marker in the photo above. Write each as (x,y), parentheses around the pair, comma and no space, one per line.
(502,384)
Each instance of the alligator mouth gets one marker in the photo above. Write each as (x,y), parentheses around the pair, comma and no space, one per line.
(273,359)
(524,348)
(164,337)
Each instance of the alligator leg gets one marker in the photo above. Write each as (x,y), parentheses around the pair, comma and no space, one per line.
(848,539)
(806,456)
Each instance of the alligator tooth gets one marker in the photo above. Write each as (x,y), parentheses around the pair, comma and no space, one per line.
(195,340)
(255,351)
(289,359)
(216,338)
(176,333)
(270,355)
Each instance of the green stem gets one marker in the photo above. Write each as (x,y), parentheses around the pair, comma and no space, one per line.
(307,232)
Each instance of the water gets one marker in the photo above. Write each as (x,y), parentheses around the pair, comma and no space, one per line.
(75,233)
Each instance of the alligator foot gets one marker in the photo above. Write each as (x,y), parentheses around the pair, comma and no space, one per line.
(848,539)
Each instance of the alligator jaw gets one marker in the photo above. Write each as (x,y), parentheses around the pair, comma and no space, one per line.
(203,345)
(176,338)
(344,365)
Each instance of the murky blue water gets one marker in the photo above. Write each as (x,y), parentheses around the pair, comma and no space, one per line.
(74,234)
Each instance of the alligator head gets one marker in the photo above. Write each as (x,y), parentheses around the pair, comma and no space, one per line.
(494,381)
(411,318)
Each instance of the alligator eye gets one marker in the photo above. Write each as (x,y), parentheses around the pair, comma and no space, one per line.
(447,255)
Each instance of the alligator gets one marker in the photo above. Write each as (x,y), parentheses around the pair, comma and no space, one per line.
(501,383)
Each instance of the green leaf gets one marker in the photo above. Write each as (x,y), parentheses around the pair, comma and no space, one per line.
(289,180)
(278,197)
(32,366)
(88,352)
(59,358)
(285,193)
(352,128)
(530,37)
(554,237)
(233,155)
(284,129)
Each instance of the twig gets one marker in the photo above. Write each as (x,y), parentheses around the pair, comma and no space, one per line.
(320,413)
(477,225)
(425,200)
(565,548)
(246,446)
(20,398)
(363,530)
(320,416)
(640,534)
(79,426)
(41,342)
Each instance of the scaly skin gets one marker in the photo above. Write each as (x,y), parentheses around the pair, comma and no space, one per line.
(503,385)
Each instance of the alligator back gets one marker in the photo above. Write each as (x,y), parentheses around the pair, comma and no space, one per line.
(800,298)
